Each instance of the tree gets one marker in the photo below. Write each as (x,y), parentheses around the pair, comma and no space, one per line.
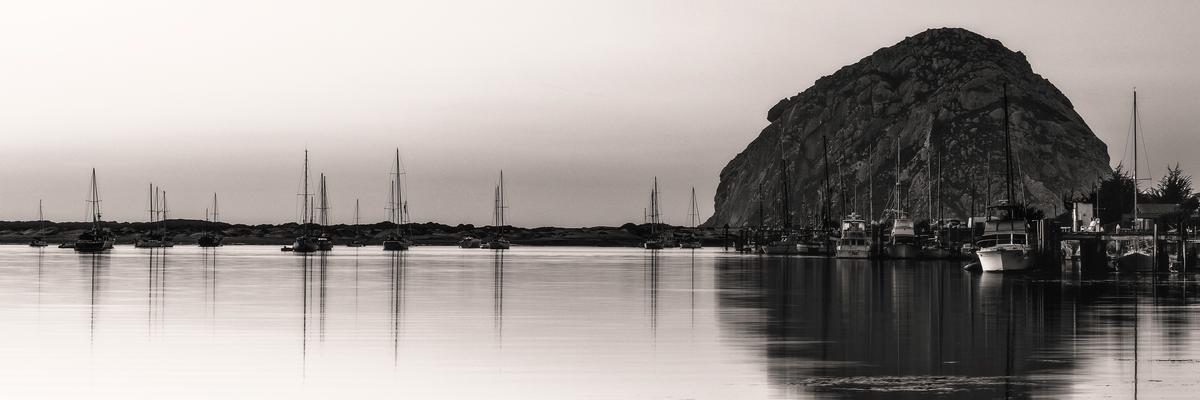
(1116,196)
(1174,187)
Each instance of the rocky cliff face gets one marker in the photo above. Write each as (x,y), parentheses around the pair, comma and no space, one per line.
(939,95)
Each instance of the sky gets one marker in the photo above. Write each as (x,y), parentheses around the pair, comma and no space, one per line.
(581,104)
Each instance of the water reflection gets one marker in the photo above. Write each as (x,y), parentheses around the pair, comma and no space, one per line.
(552,322)
(498,295)
(895,328)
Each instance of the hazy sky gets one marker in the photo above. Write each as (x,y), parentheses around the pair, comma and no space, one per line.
(581,103)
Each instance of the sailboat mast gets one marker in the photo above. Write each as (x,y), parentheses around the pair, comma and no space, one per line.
(1135,159)
(304,217)
(828,194)
(95,203)
(399,198)
(897,174)
(1008,147)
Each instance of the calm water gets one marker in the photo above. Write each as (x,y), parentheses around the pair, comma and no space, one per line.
(553,323)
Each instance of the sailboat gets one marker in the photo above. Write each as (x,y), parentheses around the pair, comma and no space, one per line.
(787,242)
(691,241)
(1137,257)
(153,238)
(96,239)
(935,247)
(397,240)
(499,242)
(356,242)
(655,242)
(1004,245)
(323,242)
(211,236)
(902,240)
(305,243)
(37,240)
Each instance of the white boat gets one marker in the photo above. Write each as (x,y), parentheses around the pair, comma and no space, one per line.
(1004,245)
(853,243)
(902,241)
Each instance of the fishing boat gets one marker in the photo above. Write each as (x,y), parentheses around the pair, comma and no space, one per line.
(690,241)
(356,242)
(211,237)
(853,243)
(656,240)
(902,239)
(1004,245)
(397,240)
(306,242)
(155,238)
(96,239)
(499,242)
(323,241)
(1136,255)
(37,240)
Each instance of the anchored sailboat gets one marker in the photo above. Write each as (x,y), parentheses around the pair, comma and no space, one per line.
(397,240)
(305,243)
(37,240)
(691,241)
(211,236)
(356,242)
(499,242)
(158,213)
(902,242)
(323,242)
(95,239)
(1137,257)
(655,242)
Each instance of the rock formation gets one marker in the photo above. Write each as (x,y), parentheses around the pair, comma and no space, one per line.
(939,94)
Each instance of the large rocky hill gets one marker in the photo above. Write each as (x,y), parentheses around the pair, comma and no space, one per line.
(939,93)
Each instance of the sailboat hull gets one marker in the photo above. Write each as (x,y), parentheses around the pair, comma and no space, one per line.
(1005,258)
(93,246)
(782,248)
(394,245)
(304,245)
(851,251)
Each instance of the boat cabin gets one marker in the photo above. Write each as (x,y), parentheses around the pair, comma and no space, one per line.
(1005,224)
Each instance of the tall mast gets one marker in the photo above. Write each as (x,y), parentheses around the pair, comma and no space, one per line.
(304,217)
(1008,148)
(825,218)
(898,208)
(929,176)
(355,218)
(323,203)
(1135,160)
(95,203)
(694,211)
(871,184)
(214,210)
(399,198)
(500,193)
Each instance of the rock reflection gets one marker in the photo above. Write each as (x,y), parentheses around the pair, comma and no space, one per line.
(856,320)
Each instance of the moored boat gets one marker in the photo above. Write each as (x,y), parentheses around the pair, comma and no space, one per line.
(96,239)
(853,242)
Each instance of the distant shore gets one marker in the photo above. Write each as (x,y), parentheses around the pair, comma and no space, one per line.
(186,232)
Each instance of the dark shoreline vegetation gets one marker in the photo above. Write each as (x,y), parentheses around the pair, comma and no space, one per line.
(186,232)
